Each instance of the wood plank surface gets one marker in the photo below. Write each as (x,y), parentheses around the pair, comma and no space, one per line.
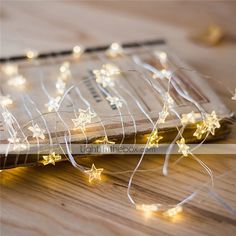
(59,200)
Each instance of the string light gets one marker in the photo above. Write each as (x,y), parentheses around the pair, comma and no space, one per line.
(37,132)
(85,117)
(31,54)
(115,101)
(183,148)
(94,173)
(10,69)
(53,104)
(234,96)
(5,101)
(173,211)
(105,77)
(78,51)
(115,50)
(16,81)
(52,158)
(154,139)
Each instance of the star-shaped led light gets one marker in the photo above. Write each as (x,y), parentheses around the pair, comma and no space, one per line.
(173,211)
(60,85)
(201,129)
(154,139)
(183,148)
(212,122)
(5,101)
(51,158)
(234,96)
(103,79)
(188,118)
(16,81)
(148,209)
(115,101)
(85,117)
(94,173)
(104,75)
(53,104)
(115,50)
(37,132)
(10,69)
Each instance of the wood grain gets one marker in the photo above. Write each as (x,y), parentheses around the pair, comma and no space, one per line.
(58,200)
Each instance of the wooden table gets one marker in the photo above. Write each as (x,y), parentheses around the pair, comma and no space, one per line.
(58,200)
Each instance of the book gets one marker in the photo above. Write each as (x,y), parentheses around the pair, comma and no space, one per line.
(121,108)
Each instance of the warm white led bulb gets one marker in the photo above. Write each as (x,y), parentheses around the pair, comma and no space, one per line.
(115,50)
(31,54)
(173,211)
(154,139)
(78,51)
(94,173)
(147,207)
